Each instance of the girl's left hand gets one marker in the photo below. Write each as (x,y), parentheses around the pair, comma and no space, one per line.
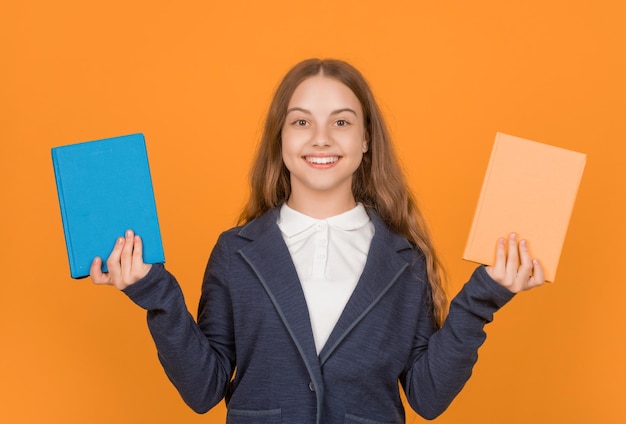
(514,268)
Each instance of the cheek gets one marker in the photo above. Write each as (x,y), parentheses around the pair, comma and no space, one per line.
(353,143)
(288,151)
(292,141)
(284,141)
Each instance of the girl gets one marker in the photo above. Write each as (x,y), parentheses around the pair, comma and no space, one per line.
(330,292)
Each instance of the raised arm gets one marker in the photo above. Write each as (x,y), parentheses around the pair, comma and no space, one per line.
(443,360)
(199,363)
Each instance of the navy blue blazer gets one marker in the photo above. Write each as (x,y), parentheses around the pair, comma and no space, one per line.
(253,345)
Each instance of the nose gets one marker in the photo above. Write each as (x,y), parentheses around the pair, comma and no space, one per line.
(321,137)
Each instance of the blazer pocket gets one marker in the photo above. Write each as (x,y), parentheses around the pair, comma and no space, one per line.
(248,416)
(353,419)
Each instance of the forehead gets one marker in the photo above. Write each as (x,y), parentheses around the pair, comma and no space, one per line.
(319,92)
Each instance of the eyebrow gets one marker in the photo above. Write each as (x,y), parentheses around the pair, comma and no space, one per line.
(334,112)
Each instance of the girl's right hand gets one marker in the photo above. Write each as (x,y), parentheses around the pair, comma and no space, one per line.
(125,263)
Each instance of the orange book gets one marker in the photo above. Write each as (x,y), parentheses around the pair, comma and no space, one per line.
(529,189)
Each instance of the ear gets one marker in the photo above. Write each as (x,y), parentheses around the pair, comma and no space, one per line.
(365,146)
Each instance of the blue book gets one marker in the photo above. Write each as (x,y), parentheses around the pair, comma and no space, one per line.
(105,188)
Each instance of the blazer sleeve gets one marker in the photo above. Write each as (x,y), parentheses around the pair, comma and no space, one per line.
(442,360)
(198,361)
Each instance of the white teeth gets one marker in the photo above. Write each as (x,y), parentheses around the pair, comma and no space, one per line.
(322,160)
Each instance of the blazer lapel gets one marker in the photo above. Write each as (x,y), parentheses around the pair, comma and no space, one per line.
(269,257)
(382,269)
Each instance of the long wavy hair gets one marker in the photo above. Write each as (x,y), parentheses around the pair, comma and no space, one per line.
(378,183)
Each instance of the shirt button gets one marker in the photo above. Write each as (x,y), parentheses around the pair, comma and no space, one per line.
(311,386)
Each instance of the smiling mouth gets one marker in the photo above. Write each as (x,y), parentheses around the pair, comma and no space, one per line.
(324,160)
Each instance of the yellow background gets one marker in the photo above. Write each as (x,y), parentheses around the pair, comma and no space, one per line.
(196,78)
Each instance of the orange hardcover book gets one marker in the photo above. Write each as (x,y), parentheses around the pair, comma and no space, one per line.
(529,189)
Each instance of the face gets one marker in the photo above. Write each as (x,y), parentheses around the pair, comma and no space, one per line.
(323,139)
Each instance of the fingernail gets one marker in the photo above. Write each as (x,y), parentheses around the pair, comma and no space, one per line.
(129,233)
(120,240)
(513,235)
(523,243)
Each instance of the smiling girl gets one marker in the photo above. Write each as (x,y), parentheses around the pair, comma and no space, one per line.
(329,293)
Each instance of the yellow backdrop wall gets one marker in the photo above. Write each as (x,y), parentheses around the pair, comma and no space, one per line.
(196,77)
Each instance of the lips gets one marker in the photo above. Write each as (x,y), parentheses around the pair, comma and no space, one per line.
(321,160)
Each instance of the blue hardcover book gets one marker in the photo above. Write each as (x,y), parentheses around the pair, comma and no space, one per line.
(105,188)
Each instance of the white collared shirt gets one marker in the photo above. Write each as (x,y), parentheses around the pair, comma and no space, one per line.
(329,256)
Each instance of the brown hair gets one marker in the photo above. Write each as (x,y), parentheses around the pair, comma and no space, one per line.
(378,183)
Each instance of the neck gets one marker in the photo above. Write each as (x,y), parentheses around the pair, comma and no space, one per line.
(321,206)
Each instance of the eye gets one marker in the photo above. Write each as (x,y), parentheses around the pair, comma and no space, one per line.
(300,122)
(342,123)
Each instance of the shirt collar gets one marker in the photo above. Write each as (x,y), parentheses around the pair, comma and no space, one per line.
(292,222)
(350,220)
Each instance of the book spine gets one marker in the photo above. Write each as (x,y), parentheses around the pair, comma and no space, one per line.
(66,232)
(469,247)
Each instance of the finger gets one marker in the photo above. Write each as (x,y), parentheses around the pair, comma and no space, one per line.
(113,262)
(140,269)
(512,261)
(500,264)
(526,265)
(538,277)
(96,274)
(127,253)
(137,253)
(525,269)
